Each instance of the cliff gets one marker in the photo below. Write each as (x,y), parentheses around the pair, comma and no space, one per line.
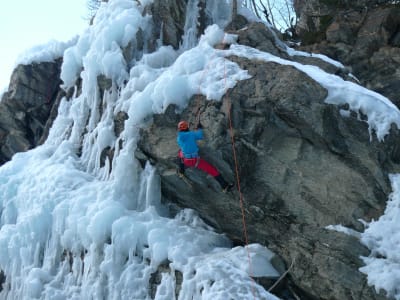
(302,165)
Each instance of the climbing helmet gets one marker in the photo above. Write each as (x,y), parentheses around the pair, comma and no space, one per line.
(183,125)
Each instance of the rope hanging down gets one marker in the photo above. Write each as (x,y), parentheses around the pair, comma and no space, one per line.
(232,141)
(197,112)
(241,200)
(241,195)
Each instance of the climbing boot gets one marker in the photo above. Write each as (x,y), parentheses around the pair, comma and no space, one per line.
(180,170)
(226,187)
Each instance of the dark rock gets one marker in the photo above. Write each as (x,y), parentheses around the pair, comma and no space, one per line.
(301,166)
(119,121)
(256,35)
(363,35)
(169,21)
(26,107)
(2,279)
(156,278)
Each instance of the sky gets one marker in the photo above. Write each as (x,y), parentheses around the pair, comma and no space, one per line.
(28,23)
(110,221)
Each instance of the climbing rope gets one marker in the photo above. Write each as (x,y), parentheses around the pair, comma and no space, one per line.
(241,200)
(231,134)
(237,176)
(241,195)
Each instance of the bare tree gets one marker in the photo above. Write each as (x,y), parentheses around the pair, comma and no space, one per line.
(279,13)
(93,6)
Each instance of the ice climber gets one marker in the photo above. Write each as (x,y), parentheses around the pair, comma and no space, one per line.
(188,154)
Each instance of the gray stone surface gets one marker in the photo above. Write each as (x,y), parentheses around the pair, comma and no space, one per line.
(26,106)
(363,35)
(301,165)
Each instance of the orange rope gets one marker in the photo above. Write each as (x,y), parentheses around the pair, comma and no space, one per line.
(238,183)
(236,165)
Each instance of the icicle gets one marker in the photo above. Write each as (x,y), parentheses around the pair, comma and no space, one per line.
(219,11)
(190,29)
(150,190)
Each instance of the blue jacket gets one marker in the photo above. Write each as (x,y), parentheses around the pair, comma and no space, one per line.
(187,142)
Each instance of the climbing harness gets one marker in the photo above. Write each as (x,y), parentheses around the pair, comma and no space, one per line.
(194,159)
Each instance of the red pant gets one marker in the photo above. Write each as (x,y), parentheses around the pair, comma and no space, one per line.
(200,164)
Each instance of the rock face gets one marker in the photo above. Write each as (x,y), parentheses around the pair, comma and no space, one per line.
(26,106)
(364,35)
(301,165)
(169,21)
